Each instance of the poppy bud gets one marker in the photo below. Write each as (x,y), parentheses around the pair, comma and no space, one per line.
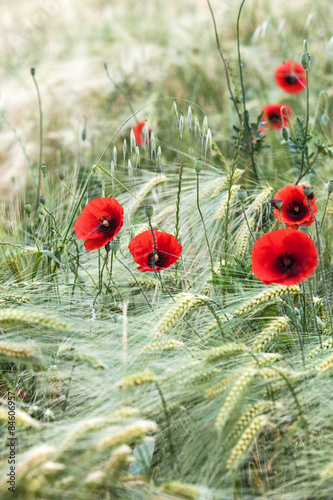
(325,119)
(285,133)
(305,60)
(114,244)
(107,248)
(308,191)
(84,134)
(330,187)
(42,200)
(241,194)
(149,210)
(28,209)
(198,165)
(61,175)
(43,167)
(278,204)
(32,71)
(320,323)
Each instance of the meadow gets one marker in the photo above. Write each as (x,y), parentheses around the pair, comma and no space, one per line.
(166,241)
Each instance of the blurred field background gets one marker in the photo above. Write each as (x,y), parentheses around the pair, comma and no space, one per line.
(152,49)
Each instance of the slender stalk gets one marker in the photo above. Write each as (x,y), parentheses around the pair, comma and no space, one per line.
(307,169)
(167,419)
(120,184)
(247,222)
(224,63)
(315,313)
(325,209)
(77,207)
(239,58)
(70,192)
(137,283)
(307,120)
(297,330)
(203,224)
(40,133)
(121,88)
(321,267)
(178,207)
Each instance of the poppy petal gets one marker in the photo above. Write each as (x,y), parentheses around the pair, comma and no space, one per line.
(285,257)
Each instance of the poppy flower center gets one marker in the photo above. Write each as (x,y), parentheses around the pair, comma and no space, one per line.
(286,262)
(296,210)
(157,258)
(291,79)
(274,118)
(106,224)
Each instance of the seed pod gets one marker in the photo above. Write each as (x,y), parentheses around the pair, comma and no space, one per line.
(61,175)
(149,210)
(241,194)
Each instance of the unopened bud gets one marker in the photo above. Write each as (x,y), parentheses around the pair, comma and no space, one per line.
(198,164)
(42,199)
(44,169)
(330,187)
(114,245)
(28,209)
(107,247)
(305,60)
(61,175)
(308,191)
(325,119)
(149,210)
(285,133)
(84,134)
(241,194)
(32,71)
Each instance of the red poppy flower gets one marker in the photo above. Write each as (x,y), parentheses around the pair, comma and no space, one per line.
(295,207)
(167,251)
(272,116)
(138,132)
(285,257)
(100,221)
(290,77)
